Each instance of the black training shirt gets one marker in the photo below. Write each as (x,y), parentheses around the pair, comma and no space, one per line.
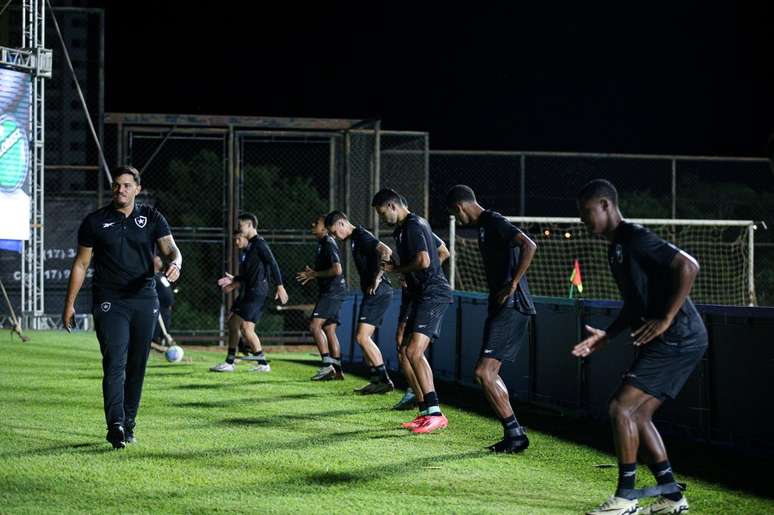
(501,255)
(367,259)
(411,288)
(123,249)
(327,255)
(256,262)
(411,237)
(641,265)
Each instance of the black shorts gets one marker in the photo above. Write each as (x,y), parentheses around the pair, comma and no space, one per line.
(661,369)
(425,316)
(406,300)
(503,332)
(249,309)
(373,307)
(328,308)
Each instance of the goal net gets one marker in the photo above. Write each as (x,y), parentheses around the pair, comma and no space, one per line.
(724,249)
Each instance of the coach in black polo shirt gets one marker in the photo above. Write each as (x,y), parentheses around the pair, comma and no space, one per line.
(507,253)
(122,238)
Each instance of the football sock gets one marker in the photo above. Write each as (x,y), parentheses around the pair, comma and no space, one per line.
(336,362)
(433,409)
(663,473)
(373,375)
(231,356)
(511,427)
(381,374)
(326,359)
(422,408)
(627,475)
(261,358)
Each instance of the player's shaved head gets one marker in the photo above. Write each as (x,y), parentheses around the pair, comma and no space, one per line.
(459,194)
(598,189)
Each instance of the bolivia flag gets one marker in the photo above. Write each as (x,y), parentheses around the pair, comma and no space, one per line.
(575,279)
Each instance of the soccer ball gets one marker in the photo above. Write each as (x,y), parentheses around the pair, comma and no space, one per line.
(174,354)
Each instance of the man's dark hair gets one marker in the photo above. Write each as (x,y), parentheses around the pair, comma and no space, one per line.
(598,188)
(459,193)
(249,217)
(333,217)
(125,170)
(388,196)
(237,233)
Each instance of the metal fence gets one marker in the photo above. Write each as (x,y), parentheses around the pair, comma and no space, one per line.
(201,172)
(544,184)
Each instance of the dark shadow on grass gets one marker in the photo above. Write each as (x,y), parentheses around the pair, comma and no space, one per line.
(206,386)
(225,403)
(55,449)
(380,472)
(706,462)
(401,434)
(289,419)
(709,463)
(162,373)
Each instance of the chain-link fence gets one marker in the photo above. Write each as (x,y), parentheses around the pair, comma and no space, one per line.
(286,180)
(201,173)
(185,177)
(542,184)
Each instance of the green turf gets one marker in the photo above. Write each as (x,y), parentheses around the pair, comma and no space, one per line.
(273,443)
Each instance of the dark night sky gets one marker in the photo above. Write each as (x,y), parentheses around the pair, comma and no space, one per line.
(689,78)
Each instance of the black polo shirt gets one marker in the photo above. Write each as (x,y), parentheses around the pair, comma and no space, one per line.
(256,263)
(367,259)
(328,254)
(123,249)
(411,237)
(501,256)
(641,265)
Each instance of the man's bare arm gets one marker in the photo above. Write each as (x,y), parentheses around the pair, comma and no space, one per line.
(168,248)
(77,276)
(443,253)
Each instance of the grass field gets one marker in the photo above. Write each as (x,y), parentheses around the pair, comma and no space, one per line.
(273,443)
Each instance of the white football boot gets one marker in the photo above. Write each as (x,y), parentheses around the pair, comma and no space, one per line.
(223,367)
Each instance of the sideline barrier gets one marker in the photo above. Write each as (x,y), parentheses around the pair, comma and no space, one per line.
(725,400)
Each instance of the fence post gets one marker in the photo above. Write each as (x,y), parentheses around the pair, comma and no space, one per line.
(674,189)
(522,185)
(347,203)
(452,252)
(751,266)
(376,173)
(427,176)
(332,175)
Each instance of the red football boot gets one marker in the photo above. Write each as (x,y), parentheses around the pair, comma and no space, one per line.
(415,423)
(431,423)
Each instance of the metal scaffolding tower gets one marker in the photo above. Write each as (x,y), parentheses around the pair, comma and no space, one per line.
(35,59)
